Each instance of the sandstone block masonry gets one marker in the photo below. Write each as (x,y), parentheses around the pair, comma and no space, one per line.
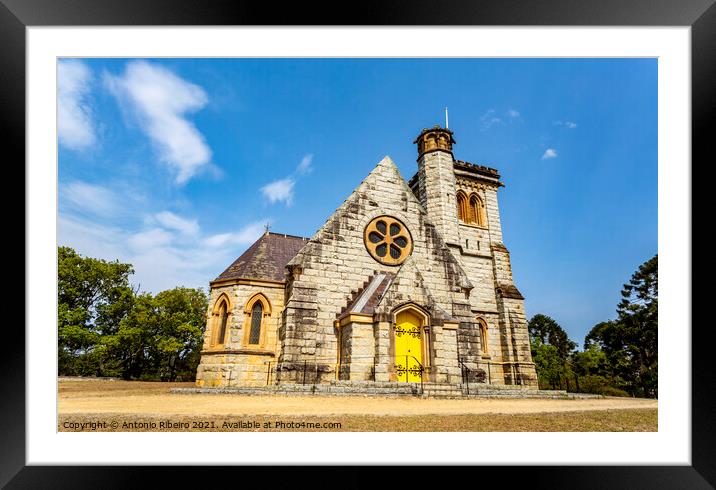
(428,251)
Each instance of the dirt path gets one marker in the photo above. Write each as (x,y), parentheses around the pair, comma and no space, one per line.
(119,397)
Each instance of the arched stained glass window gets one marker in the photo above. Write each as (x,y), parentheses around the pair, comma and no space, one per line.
(257,313)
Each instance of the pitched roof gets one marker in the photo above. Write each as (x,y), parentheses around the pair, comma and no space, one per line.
(266,259)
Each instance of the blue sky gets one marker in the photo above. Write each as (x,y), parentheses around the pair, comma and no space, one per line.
(175,165)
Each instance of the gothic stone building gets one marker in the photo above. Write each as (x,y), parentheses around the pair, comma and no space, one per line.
(405,281)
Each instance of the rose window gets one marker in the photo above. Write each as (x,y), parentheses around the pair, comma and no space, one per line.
(388,240)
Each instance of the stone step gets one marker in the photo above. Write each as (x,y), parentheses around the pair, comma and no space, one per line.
(441,394)
(517,392)
(390,389)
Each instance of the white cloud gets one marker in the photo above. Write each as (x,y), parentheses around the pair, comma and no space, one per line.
(162,258)
(88,198)
(246,236)
(279,190)
(489,119)
(74,115)
(513,113)
(549,153)
(150,239)
(569,124)
(282,190)
(306,166)
(160,100)
(90,238)
(174,222)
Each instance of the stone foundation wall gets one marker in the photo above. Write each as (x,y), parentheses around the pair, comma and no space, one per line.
(231,370)
(358,354)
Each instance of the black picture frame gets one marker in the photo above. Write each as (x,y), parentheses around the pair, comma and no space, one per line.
(700,15)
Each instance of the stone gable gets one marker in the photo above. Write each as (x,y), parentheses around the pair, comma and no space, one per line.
(339,306)
(335,263)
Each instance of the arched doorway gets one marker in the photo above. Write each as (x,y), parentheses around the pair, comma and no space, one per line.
(409,363)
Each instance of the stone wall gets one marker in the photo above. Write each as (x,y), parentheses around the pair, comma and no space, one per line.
(335,264)
(436,184)
(456,274)
(236,363)
(358,355)
(494,297)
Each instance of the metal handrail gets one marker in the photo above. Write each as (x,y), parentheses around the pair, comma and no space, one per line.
(422,370)
(465,371)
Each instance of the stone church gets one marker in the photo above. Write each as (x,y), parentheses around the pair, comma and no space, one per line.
(406,281)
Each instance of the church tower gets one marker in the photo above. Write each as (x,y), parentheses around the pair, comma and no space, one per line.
(461,201)
(436,180)
(401,284)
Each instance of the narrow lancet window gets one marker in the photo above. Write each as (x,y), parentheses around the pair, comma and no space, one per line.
(257,313)
(223,319)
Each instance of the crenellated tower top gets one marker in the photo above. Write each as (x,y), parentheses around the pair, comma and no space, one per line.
(434,139)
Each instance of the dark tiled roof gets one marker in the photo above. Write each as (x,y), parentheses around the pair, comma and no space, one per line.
(266,258)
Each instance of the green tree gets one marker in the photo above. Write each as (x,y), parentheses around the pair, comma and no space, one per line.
(87,292)
(181,321)
(551,368)
(128,347)
(630,341)
(592,373)
(548,331)
(590,361)
(105,328)
(161,337)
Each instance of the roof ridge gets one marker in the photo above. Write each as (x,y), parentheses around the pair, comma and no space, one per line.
(286,235)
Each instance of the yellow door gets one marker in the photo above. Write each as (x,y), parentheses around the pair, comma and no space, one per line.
(408,347)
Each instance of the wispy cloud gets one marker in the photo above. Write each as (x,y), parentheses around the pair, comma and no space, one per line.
(514,114)
(567,124)
(174,222)
(245,236)
(549,153)
(88,198)
(163,256)
(154,238)
(489,119)
(75,128)
(306,165)
(160,100)
(279,191)
(282,190)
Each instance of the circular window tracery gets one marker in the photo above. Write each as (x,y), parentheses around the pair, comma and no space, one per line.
(388,240)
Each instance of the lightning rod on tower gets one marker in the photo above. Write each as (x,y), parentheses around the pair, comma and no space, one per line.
(446,118)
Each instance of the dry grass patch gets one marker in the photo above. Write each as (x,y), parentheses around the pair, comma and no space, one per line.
(144,406)
(69,388)
(635,420)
